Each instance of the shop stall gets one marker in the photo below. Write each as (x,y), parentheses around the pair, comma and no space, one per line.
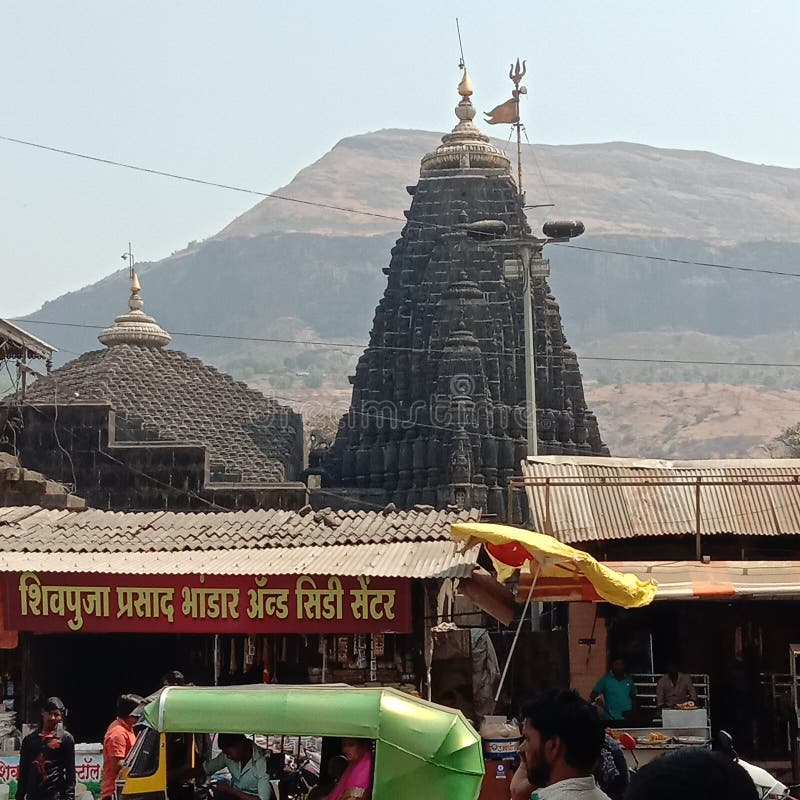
(88,625)
(671,728)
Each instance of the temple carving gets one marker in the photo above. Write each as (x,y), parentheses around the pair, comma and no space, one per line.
(437,415)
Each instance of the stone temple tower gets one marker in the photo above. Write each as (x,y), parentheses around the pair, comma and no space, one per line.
(437,414)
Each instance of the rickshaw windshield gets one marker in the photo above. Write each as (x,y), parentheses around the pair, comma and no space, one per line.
(143,757)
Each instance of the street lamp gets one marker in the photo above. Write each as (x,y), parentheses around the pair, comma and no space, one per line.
(530,264)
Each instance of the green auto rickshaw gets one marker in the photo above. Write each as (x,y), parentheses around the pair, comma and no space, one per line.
(422,751)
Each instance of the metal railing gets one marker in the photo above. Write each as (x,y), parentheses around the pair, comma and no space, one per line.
(645,683)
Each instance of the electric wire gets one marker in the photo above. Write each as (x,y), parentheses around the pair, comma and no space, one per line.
(363,212)
(133,470)
(424,351)
(686,261)
(538,166)
(189,179)
(280,398)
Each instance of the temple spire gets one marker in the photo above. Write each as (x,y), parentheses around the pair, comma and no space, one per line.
(135,327)
(465,146)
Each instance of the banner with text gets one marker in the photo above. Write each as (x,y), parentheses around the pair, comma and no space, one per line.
(64,602)
(88,774)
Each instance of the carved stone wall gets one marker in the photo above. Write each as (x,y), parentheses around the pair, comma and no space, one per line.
(136,473)
(438,410)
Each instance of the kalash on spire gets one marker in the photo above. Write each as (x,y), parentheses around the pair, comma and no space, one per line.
(135,327)
(438,411)
(466,146)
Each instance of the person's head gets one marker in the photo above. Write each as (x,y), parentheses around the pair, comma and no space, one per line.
(562,737)
(173,678)
(235,745)
(618,666)
(355,749)
(692,774)
(127,705)
(53,712)
(672,668)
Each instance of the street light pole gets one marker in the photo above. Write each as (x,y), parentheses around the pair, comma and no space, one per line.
(521,265)
(530,352)
(522,262)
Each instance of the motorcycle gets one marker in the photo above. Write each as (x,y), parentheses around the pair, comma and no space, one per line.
(767,786)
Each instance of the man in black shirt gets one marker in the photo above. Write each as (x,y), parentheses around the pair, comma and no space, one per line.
(47,758)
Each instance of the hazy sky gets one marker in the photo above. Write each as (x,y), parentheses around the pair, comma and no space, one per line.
(249,92)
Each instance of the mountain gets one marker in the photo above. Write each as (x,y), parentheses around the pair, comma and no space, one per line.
(617,189)
(693,420)
(293,271)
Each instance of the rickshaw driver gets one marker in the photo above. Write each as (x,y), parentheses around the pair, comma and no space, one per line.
(247,764)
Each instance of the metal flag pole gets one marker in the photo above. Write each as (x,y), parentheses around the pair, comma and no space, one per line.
(128,257)
(517,73)
(528,264)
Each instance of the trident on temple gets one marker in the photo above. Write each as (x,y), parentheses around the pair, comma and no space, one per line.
(516,74)
(508,112)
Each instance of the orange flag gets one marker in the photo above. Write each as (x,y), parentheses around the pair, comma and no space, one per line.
(507,112)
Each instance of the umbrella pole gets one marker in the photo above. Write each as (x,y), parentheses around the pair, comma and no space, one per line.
(516,635)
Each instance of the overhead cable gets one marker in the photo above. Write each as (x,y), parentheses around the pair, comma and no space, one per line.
(394,348)
(363,212)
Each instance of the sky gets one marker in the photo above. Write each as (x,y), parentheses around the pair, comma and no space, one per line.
(248,92)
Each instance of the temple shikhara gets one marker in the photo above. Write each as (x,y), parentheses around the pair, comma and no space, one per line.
(139,425)
(437,415)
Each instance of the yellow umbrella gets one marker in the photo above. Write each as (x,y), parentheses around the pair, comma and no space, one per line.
(511,547)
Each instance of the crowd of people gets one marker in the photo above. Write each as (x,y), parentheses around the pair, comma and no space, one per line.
(565,754)
(47,759)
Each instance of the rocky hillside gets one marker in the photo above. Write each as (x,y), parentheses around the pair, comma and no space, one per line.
(617,188)
(693,420)
(291,271)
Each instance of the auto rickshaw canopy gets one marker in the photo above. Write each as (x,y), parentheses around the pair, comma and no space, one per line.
(417,743)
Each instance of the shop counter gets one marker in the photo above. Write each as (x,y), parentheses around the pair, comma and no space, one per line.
(649,746)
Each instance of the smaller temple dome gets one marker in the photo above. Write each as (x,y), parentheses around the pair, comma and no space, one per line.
(135,327)
(465,146)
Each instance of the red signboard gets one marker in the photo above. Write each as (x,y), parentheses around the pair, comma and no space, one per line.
(63,602)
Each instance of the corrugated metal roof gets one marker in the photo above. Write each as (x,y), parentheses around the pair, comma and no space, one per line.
(621,511)
(36,529)
(14,341)
(438,559)
(679,580)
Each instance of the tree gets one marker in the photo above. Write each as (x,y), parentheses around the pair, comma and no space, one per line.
(790,439)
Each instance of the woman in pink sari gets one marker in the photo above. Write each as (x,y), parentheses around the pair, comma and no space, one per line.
(355,782)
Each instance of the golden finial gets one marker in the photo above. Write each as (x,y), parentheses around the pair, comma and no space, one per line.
(465,87)
(134,327)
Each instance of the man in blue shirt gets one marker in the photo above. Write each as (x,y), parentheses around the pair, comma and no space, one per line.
(618,692)
(247,765)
